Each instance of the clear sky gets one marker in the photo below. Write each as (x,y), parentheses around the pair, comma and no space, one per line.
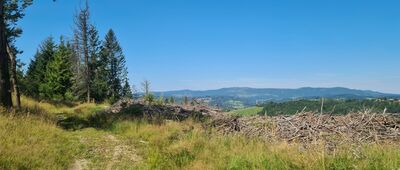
(207,44)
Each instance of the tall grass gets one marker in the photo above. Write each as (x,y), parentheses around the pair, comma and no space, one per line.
(187,145)
(30,143)
(49,109)
(30,139)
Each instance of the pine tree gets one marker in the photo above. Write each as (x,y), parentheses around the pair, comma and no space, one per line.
(58,74)
(116,69)
(38,66)
(98,67)
(126,90)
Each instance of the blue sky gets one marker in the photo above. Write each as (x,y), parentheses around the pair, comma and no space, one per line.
(207,44)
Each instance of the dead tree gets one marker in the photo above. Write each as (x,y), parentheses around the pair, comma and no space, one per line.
(14,78)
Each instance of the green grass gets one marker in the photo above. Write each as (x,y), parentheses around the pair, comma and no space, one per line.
(47,109)
(29,141)
(250,111)
(187,145)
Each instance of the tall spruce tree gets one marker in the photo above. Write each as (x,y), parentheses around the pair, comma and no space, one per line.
(38,66)
(116,68)
(58,74)
(97,67)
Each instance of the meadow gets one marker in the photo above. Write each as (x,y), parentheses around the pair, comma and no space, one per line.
(249,111)
(30,139)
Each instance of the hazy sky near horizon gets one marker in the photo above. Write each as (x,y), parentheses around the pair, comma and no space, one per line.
(207,44)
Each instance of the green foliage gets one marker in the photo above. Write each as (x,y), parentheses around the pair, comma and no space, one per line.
(186,145)
(160,101)
(149,98)
(58,72)
(97,67)
(58,75)
(330,106)
(29,143)
(126,90)
(250,111)
(37,69)
(14,11)
(172,100)
(116,68)
(233,104)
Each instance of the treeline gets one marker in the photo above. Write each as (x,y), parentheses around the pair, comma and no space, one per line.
(330,106)
(83,68)
(80,68)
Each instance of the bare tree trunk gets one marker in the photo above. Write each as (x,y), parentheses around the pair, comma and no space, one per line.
(5,88)
(14,79)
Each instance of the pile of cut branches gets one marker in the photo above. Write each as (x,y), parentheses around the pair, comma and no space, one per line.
(128,108)
(310,127)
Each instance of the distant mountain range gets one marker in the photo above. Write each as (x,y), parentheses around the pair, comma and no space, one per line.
(246,96)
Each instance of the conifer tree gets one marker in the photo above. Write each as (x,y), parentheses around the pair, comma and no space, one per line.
(37,68)
(98,67)
(58,74)
(126,90)
(116,69)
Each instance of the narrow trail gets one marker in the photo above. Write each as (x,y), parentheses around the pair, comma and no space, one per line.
(106,152)
(80,164)
(120,152)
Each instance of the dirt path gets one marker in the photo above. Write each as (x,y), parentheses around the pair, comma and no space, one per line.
(120,152)
(80,164)
(106,152)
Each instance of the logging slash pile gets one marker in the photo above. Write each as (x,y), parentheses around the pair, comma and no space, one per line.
(310,127)
(303,127)
(140,109)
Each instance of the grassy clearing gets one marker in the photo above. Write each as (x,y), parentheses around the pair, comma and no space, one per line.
(250,111)
(29,139)
(33,142)
(66,109)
